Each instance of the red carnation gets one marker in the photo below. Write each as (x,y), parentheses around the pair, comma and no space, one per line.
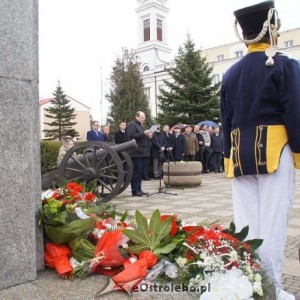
(70,186)
(89,196)
(174,227)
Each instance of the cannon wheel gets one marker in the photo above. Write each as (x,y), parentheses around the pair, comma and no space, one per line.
(106,168)
(127,167)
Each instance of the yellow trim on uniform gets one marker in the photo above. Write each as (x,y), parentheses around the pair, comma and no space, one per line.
(226,164)
(297,160)
(229,167)
(238,150)
(258,47)
(230,173)
(255,149)
(276,139)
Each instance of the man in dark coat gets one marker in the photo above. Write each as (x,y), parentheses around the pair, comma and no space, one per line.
(179,144)
(157,152)
(136,131)
(94,134)
(217,149)
(120,135)
(199,154)
(106,135)
(170,140)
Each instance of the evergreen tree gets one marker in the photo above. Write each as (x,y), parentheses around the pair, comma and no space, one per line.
(62,115)
(190,96)
(126,95)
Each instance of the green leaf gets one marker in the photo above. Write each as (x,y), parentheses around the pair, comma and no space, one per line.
(82,249)
(124,216)
(136,237)
(113,214)
(242,234)
(165,249)
(91,186)
(154,224)
(64,234)
(232,228)
(142,226)
(138,248)
(151,236)
(255,243)
(162,232)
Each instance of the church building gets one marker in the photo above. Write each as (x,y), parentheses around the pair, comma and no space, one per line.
(153,49)
(155,53)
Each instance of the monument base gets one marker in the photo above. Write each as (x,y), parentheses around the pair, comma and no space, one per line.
(182,174)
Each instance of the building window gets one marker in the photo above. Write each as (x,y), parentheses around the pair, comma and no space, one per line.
(216,78)
(288,44)
(146,30)
(147,93)
(146,68)
(159,29)
(239,53)
(220,57)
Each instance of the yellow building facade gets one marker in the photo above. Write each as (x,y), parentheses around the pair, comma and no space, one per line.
(83,116)
(224,56)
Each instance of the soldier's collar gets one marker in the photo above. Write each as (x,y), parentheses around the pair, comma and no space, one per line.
(258,47)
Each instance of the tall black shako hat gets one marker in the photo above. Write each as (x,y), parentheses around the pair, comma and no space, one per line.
(252,19)
(257,22)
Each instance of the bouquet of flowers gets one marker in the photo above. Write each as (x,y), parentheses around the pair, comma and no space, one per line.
(74,221)
(87,236)
(220,257)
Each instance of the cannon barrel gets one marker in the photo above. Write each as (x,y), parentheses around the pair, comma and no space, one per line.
(90,154)
(101,152)
(125,146)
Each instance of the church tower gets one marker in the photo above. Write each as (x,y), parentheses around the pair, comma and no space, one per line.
(152,48)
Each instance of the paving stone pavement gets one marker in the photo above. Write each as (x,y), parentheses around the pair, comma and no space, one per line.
(211,200)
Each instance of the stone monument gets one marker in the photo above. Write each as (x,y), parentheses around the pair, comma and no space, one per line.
(20,239)
(182,174)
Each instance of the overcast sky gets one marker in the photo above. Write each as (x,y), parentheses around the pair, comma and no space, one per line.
(78,37)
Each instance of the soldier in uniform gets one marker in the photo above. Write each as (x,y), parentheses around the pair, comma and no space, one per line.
(260,109)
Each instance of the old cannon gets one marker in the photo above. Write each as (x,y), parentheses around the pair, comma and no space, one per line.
(107,163)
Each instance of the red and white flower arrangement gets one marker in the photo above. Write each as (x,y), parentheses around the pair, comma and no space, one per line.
(86,236)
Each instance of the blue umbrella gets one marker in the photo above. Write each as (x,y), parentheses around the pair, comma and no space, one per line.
(208,123)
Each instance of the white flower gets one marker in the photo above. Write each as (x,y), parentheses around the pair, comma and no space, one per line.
(47,194)
(233,256)
(248,269)
(98,232)
(203,255)
(208,260)
(257,288)
(232,285)
(181,261)
(257,277)
(251,277)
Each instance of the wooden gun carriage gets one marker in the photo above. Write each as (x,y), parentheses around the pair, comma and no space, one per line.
(108,163)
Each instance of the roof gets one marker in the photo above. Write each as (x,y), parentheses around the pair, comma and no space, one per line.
(44,101)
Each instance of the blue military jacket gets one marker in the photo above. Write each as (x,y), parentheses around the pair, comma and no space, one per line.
(260,112)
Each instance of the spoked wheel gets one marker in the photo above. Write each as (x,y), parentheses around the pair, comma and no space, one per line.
(94,160)
(127,168)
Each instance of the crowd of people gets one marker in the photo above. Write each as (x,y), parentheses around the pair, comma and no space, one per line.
(197,143)
(158,145)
